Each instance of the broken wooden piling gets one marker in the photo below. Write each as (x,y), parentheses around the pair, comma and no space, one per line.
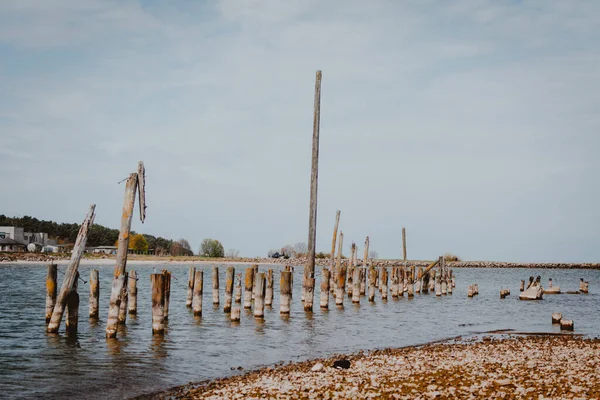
(167,299)
(259,299)
(404,244)
(123,301)
(132,302)
(285,289)
(229,278)
(198,292)
(325,278)
(372,278)
(238,289)
(269,289)
(215,285)
(384,284)
(158,303)
(51,288)
(72,316)
(556,318)
(94,293)
(190,291)
(248,286)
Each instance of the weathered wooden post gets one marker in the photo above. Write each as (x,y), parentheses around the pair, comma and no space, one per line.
(309,285)
(522,288)
(198,292)
(167,285)
(340,280)
(94,293)
(333,242)
(438,284)
(324,303)
(556,317)
(363,281)
(135,182)
(71,272)
(384,284)
(248,285)
(425,282)
(215,285)
(254,272)
(584,286)
(419,280)
(132,303)
(72,309)
(124,299)
(309,268)
(394,285)
(404,244)
(567,325)
(351,270)
(356,281)
(285,289)
(235,313)
(469,291)
(366,259)
(51,290)
(158,303)
(449,282)
(238,289)
(190,292)
(372,278)
(411,282)
(229,277)
(259,300)
(432,274)
(269,289)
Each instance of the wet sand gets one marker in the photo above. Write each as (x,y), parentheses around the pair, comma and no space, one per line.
(495,366)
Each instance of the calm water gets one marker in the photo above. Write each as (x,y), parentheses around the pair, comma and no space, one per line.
(34,364)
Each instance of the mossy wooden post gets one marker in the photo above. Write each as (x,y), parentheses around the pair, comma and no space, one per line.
(356,281)
(94,293)
(158,303)
(198,292)
(325,278)
(366,256)
(384,284)
(123,302)
(372,278)
(404,244)
(190,291)
(269,289)
(248,286)
(238,289)
(215,285)
(72,316)
(309,268)
(71,272)
(167,285)
(285,289)
(51,287)
(132,283)
(259,299)
(229,280)
(135,182)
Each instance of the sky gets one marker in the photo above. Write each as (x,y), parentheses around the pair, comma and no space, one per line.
(474,124)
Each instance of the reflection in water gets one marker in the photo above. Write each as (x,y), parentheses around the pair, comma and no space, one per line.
(206,347)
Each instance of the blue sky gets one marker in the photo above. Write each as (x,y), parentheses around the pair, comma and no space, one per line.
(474,124)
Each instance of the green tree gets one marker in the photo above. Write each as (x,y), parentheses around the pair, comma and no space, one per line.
(211,248)
(138,243)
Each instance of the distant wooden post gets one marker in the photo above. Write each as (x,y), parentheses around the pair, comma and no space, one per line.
(309,269)
(229,278)
(72,308)
(238,289)
(285,288)
(259,300)
(51,290)
(366,259)
(190,292)
(94,293)
(215,285)
(71,272)
(123,302)
(132,303)
(404,244)
(135,182)
(324,303)
(198,292)
(269,290)
(384,284)
(158,303)
(356,283)
(248,285)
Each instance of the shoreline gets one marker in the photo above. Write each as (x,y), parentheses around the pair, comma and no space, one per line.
(492,364)
(42,259)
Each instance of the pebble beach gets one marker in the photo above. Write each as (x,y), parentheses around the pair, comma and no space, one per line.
(490,366)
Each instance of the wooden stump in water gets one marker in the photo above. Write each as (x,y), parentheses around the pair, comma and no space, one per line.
(394,282)
(470,291)
(384,283)
(51,291)
(158,303)
(132,283)
(190,291)
(285,288)
(248,287)
(522,288)
(584,286)
(504,293)
(198,292)
(556,318)
(438,284)
(425,283)
(254,272)
(309,294)
(229,277)
(167,285)
(238,289)
(259,299)
(235,314)
(215,285)
(566,325)
(356,289)
(94,293)
(72,316)
(269,290)
(363,281)
(475,288)
(432,278)
(341,284)
(324,301)
(124,300)
(372,279)
(419,282)
(411,288)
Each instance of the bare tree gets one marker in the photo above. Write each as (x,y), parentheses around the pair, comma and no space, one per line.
(300,249)
(373,255)
(232,253)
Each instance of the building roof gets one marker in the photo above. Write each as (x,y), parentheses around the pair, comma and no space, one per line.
(9,242)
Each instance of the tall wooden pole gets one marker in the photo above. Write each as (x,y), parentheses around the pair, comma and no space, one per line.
(404,243)
(309,269)
(335,231)
(366,259)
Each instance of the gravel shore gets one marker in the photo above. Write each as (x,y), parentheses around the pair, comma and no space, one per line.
(506,366)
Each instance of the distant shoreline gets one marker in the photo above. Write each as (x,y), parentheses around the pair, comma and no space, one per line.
(36,258)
